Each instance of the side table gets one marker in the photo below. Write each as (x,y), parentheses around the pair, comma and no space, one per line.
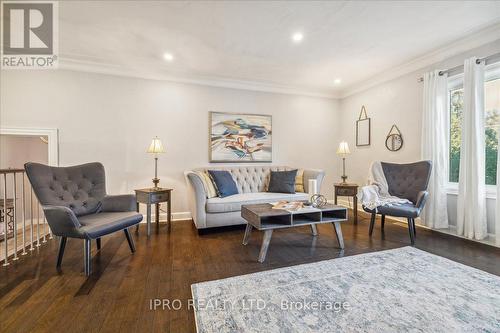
(154,196)
(348,190)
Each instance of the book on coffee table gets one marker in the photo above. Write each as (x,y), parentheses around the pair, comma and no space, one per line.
(293,207)
(288,205)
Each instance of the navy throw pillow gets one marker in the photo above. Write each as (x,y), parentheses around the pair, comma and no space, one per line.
(223,182)
(282,181)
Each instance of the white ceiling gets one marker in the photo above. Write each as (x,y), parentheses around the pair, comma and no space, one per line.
(250,42)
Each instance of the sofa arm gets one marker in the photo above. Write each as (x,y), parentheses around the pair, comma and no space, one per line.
(421,199)
(62,221)
(198,200)
(313,174)
(119,203)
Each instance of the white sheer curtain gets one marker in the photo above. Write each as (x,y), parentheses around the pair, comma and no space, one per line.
(497,212)
(435,147)
(471,203)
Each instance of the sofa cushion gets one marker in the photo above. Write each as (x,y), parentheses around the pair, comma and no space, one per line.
(97,225)
(403,210)
(224,183)
(233,203)
(282,181)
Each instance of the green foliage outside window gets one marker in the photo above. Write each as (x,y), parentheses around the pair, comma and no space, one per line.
(492,122)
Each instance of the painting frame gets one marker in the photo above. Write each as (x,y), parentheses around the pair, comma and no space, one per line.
(214,156)
(363,135)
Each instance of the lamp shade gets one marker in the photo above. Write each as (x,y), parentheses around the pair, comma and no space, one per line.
(343,149)
(156,146)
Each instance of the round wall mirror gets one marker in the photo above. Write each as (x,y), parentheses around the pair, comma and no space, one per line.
(394,142)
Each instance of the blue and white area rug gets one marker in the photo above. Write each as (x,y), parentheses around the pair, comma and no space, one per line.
(401,290)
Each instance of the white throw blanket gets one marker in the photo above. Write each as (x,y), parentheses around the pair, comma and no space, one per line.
(377,192)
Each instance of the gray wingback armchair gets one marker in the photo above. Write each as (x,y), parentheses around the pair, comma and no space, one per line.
(408,181)
(76,205)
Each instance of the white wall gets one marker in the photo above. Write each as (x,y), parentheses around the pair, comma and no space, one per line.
(399,102)
(112,119)
(395,102)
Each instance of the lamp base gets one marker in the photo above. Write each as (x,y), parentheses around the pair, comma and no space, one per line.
(156,181)
(344,179)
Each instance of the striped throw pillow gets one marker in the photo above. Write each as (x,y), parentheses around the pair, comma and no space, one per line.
(299,181)
(208,185)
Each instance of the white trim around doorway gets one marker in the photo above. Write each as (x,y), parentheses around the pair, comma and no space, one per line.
(51,133)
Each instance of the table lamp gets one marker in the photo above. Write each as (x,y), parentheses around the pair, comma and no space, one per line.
(343,151)
(156,147)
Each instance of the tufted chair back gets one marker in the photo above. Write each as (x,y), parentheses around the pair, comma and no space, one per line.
(250,179)
(80,188)
(407,180)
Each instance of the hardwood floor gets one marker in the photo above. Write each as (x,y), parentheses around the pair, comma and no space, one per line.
(34,297)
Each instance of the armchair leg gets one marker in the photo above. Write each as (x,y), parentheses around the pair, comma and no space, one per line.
(382,224)
(372,223)
(98,242)
(130,240)
(411,228)
(87,257)
(60,254)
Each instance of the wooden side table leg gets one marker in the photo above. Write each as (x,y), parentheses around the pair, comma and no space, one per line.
(148,219)
(157,214)
(169,208)
(355,209)
(335,197)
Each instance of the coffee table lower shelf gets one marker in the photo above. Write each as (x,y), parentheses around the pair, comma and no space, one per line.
(262,217)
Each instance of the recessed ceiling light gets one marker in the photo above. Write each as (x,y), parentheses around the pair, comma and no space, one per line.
(297,37)
(168,56)
(337,81)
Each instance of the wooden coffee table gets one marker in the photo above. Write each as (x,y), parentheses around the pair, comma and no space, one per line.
(263,217)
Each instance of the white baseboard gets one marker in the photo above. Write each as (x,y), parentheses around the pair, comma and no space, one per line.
(179,216)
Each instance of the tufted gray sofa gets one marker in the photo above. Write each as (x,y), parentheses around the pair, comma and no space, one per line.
(408,181)
(252,184)
(76,205)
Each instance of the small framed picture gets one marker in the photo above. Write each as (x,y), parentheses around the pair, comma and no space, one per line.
(363,129)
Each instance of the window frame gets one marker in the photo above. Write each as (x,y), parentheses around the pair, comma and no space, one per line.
(492,72)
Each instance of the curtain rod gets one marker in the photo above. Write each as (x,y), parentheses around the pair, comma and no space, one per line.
(487,60)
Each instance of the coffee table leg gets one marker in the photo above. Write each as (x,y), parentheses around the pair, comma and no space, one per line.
(314,230)
(265,245)
(338,232)
(248,232)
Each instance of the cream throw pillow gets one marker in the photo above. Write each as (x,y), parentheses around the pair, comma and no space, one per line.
(299,181)
(208,185)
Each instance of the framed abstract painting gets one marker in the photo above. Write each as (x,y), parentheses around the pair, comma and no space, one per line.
(240,137)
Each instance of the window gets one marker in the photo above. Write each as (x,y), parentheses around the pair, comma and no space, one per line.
(492,127)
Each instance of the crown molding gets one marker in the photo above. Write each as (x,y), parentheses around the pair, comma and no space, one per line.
(474,40)
(75,63)
(479,38)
